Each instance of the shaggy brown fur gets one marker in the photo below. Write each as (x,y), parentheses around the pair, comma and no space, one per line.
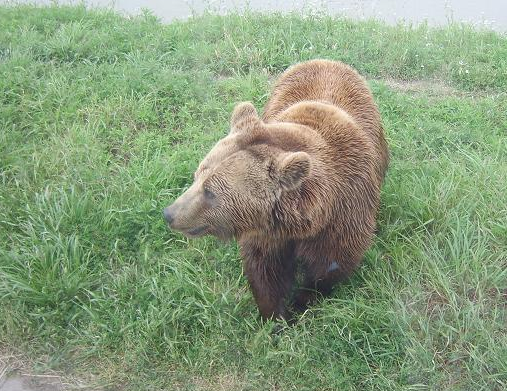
(301,184)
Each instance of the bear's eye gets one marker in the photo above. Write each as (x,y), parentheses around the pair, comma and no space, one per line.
(208,194)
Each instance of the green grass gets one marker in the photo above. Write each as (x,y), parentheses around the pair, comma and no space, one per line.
(102,121)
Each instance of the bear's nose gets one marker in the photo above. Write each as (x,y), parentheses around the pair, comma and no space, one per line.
(168,216)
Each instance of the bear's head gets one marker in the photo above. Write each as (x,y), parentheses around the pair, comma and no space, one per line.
(238,186)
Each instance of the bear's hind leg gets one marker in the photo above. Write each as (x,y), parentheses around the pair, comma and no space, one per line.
(318,282)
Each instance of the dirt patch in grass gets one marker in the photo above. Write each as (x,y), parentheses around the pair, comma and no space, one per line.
(224,382)
(434,88)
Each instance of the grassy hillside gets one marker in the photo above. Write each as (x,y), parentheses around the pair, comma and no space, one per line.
(103,120)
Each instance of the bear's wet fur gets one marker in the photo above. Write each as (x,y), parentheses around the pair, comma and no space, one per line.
(299,184)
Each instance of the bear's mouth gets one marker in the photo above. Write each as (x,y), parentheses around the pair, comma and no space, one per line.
(195,231)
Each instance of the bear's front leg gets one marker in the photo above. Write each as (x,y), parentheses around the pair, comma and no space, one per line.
(270,272)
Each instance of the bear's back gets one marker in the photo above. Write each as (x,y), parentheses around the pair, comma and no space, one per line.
(335,83)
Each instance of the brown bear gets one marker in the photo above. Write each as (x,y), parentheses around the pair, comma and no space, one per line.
(301,184)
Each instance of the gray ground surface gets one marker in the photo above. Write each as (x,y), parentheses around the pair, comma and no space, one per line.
(17,382)
(486,13)
(14,377)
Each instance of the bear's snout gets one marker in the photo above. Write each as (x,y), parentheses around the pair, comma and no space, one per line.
(168,215)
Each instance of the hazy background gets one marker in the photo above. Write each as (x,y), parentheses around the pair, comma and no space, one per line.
(485,13)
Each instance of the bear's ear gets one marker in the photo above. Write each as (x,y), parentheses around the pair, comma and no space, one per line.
(243,116)
(293,168)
